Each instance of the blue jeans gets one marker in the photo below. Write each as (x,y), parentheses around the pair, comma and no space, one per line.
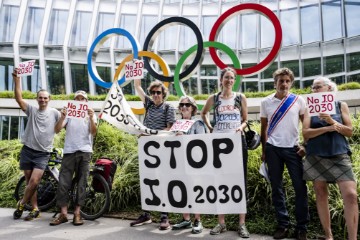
(276,159)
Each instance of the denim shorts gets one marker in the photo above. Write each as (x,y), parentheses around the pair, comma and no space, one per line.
(30,159)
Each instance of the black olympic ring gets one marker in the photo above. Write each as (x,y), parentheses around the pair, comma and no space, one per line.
(150,39)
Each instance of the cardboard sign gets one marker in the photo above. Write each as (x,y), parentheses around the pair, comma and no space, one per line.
(25,68)
(134,69)
(182,125)
(197,173)
(323,102)
(77,109)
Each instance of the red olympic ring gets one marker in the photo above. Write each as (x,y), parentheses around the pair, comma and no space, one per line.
(235,11)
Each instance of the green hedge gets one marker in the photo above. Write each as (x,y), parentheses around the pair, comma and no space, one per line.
(31,95)
(122,147)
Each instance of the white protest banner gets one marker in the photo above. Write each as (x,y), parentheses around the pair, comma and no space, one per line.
(198,173)
(77,109)
(182,125)
(322,102)
(25,68)
(117,112)
(134,69)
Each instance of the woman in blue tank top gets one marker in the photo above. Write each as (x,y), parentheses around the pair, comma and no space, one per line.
(328,160)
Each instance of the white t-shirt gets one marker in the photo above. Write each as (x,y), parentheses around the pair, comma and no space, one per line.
(286,133)
(78,136)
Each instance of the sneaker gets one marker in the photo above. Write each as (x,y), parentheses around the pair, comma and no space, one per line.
(59,220)
(220,228)
(35,213)
(243,232)
(197,227)
(19,210)
(281,233)
(301,235)
(77,221)
(184,224)
(164,223)
(143,219)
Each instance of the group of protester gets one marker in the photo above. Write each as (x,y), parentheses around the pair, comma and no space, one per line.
(326,150)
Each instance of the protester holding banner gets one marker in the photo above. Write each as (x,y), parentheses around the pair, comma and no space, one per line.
(159,116)
(328,160)
(37,139)
(280,114)
(230,116)
(77,156)
(188,108)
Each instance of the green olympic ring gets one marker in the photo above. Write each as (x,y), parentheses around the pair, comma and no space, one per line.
(178,84)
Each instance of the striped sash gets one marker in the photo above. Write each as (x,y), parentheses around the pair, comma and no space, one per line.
(280,112)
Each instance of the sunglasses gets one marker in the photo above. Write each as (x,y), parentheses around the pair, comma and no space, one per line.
(185,104)
(155,92)
(316,87)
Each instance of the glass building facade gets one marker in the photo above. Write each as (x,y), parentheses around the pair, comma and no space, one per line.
(320,37)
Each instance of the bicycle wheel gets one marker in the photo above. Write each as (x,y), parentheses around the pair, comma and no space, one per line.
(46,192)
(96,202)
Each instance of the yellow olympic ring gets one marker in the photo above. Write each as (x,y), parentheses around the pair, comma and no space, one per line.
(164,67)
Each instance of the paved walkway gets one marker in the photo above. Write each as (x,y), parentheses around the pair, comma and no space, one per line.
(102,228)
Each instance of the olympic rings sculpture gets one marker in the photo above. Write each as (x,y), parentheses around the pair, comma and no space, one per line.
(199,48)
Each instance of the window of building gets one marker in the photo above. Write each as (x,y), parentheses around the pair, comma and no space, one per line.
(311,67)
(352,10)
(293,65)
(104,21)
(310,23)
(14,127)
(105,74)
(80,29)
(268,85)
(57,27)
(4,127)
(207,22)
(331,17)
(208,71)
(249,31)
(33,82)
(190,86)
(229,33)
(290,26)
(187,36)
(79,77)
(267,32)
(55,77)
(250,86)
(334,64)
(32,25)
(6,69)
(267,73)
(353,61)
(353,78)
(209,86)
(168,37)
(127,22)
(8,19)
(147,23)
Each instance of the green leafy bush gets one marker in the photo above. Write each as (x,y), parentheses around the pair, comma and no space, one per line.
(115,144)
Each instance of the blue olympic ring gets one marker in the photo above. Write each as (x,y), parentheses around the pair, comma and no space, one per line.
(95,46)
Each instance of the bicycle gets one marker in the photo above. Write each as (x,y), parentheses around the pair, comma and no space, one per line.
(97,200)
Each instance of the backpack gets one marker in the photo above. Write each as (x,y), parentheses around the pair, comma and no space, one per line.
(108,173)
(237,104)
